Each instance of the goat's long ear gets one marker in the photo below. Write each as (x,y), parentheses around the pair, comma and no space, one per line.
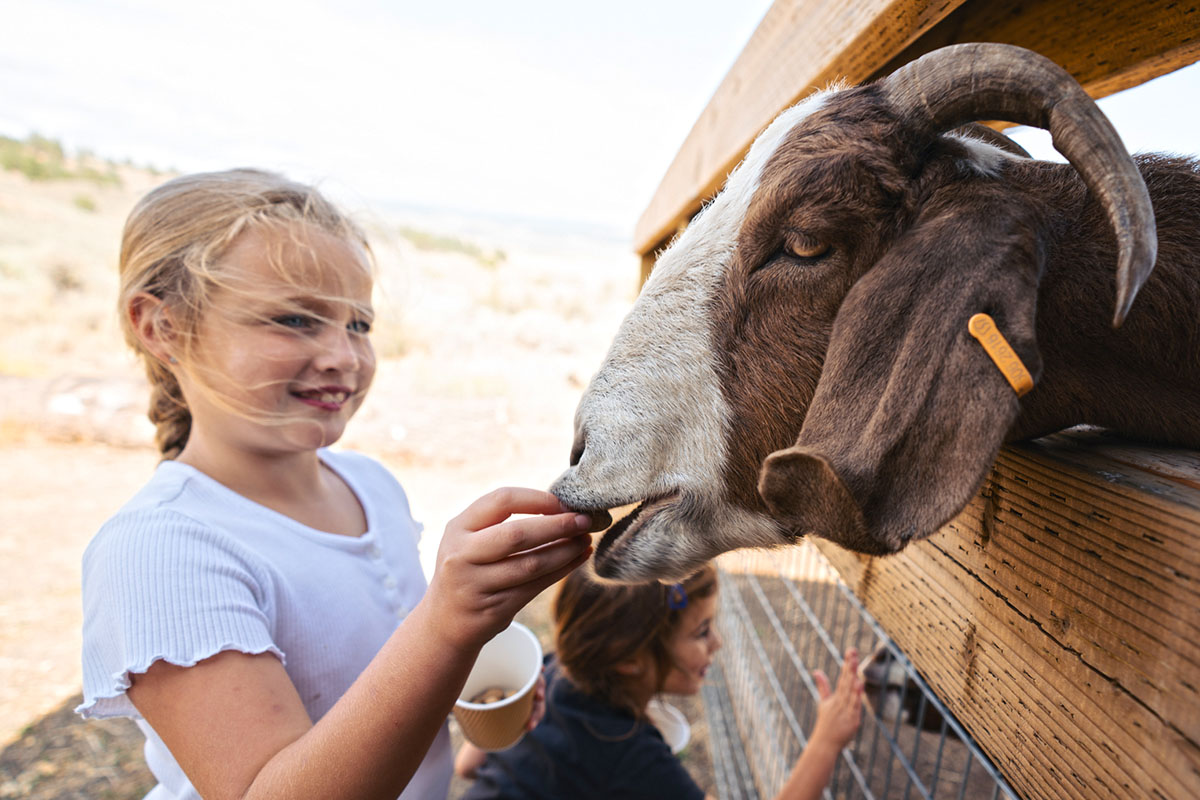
(910,412)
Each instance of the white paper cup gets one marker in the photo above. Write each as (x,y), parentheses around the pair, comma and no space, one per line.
(512,660)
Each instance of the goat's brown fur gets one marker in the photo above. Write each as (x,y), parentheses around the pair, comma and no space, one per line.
(865,351)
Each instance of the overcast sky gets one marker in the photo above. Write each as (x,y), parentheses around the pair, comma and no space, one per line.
(539,108)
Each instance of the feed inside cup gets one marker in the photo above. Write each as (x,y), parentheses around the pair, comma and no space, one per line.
(496,699)
(493,694)
(510,662)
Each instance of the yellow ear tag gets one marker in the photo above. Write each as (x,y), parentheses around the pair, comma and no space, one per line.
(983,328)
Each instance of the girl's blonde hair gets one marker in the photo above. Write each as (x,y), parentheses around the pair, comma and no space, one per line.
(600,624)
(173,238)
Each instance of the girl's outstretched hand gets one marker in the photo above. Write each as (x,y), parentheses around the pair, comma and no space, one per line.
(839,712)
(490,564)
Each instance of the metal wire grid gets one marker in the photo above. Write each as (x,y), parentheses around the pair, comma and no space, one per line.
(731,770)
(783,615)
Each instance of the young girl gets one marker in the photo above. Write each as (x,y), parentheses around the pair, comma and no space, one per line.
(616,648)
(258,607)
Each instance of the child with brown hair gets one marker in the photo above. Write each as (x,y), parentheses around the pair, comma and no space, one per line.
(258,607)
(617,647)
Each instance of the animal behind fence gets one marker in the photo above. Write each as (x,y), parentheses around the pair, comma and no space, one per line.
(800,360)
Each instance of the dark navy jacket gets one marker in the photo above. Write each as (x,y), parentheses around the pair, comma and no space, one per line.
(583,748)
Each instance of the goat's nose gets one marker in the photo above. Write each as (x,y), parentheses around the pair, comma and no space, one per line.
(578,447)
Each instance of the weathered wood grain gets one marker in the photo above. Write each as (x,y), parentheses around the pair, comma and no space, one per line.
(1058,616)
(1107,46)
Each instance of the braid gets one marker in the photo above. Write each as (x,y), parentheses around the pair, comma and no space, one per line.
(168,411)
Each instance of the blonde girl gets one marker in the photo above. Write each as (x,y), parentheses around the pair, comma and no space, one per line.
(616,647)
(258,607)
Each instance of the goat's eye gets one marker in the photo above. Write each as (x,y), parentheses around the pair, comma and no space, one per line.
(804,247)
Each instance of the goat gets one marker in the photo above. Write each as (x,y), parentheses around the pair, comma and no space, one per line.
(799,360)
(895,696)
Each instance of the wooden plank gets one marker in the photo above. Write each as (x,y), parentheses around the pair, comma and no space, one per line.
(1058,617)
(801,46)
(1107,46)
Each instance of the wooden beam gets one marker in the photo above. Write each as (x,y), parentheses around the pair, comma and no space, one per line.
(1058,617)
(1107,46)
(802,45)
(799,46)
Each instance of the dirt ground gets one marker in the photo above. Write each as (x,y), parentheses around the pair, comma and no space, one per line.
(481,363)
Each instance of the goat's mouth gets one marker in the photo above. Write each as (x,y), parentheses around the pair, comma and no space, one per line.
(617,540)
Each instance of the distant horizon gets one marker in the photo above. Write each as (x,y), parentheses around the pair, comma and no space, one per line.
(532,111)
(359,201)
(556,226)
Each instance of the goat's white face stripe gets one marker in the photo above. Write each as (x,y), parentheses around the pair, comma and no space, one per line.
(654,416)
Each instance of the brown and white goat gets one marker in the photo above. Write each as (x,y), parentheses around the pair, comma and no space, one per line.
(799,361)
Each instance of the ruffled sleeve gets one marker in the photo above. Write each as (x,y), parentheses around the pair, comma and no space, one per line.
(160,585)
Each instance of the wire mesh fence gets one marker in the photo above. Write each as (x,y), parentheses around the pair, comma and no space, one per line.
(786,613)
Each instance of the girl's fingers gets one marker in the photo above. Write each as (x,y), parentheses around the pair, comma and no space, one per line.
(822,682)
(500,504)
(848,681)
(518,536)
(518,571)
(539,704)
(528,567)
(533,587)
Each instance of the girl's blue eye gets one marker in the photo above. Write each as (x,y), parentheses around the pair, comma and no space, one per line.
(359,326)
(293,321)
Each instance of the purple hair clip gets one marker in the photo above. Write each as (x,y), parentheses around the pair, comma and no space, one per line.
(676,597)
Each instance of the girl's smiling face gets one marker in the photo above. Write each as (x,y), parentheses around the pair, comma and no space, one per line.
(692,646)
(281,359)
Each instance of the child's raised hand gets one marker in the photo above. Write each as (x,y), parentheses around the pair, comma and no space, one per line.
(489,565)
(839,712)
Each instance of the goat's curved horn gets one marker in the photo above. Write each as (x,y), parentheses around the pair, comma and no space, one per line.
(967,82)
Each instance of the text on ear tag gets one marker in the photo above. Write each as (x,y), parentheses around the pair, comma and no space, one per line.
(983,328)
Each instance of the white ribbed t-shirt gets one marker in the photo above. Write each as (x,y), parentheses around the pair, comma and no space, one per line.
(189,568)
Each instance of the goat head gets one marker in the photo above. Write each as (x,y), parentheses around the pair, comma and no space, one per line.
(799,360)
